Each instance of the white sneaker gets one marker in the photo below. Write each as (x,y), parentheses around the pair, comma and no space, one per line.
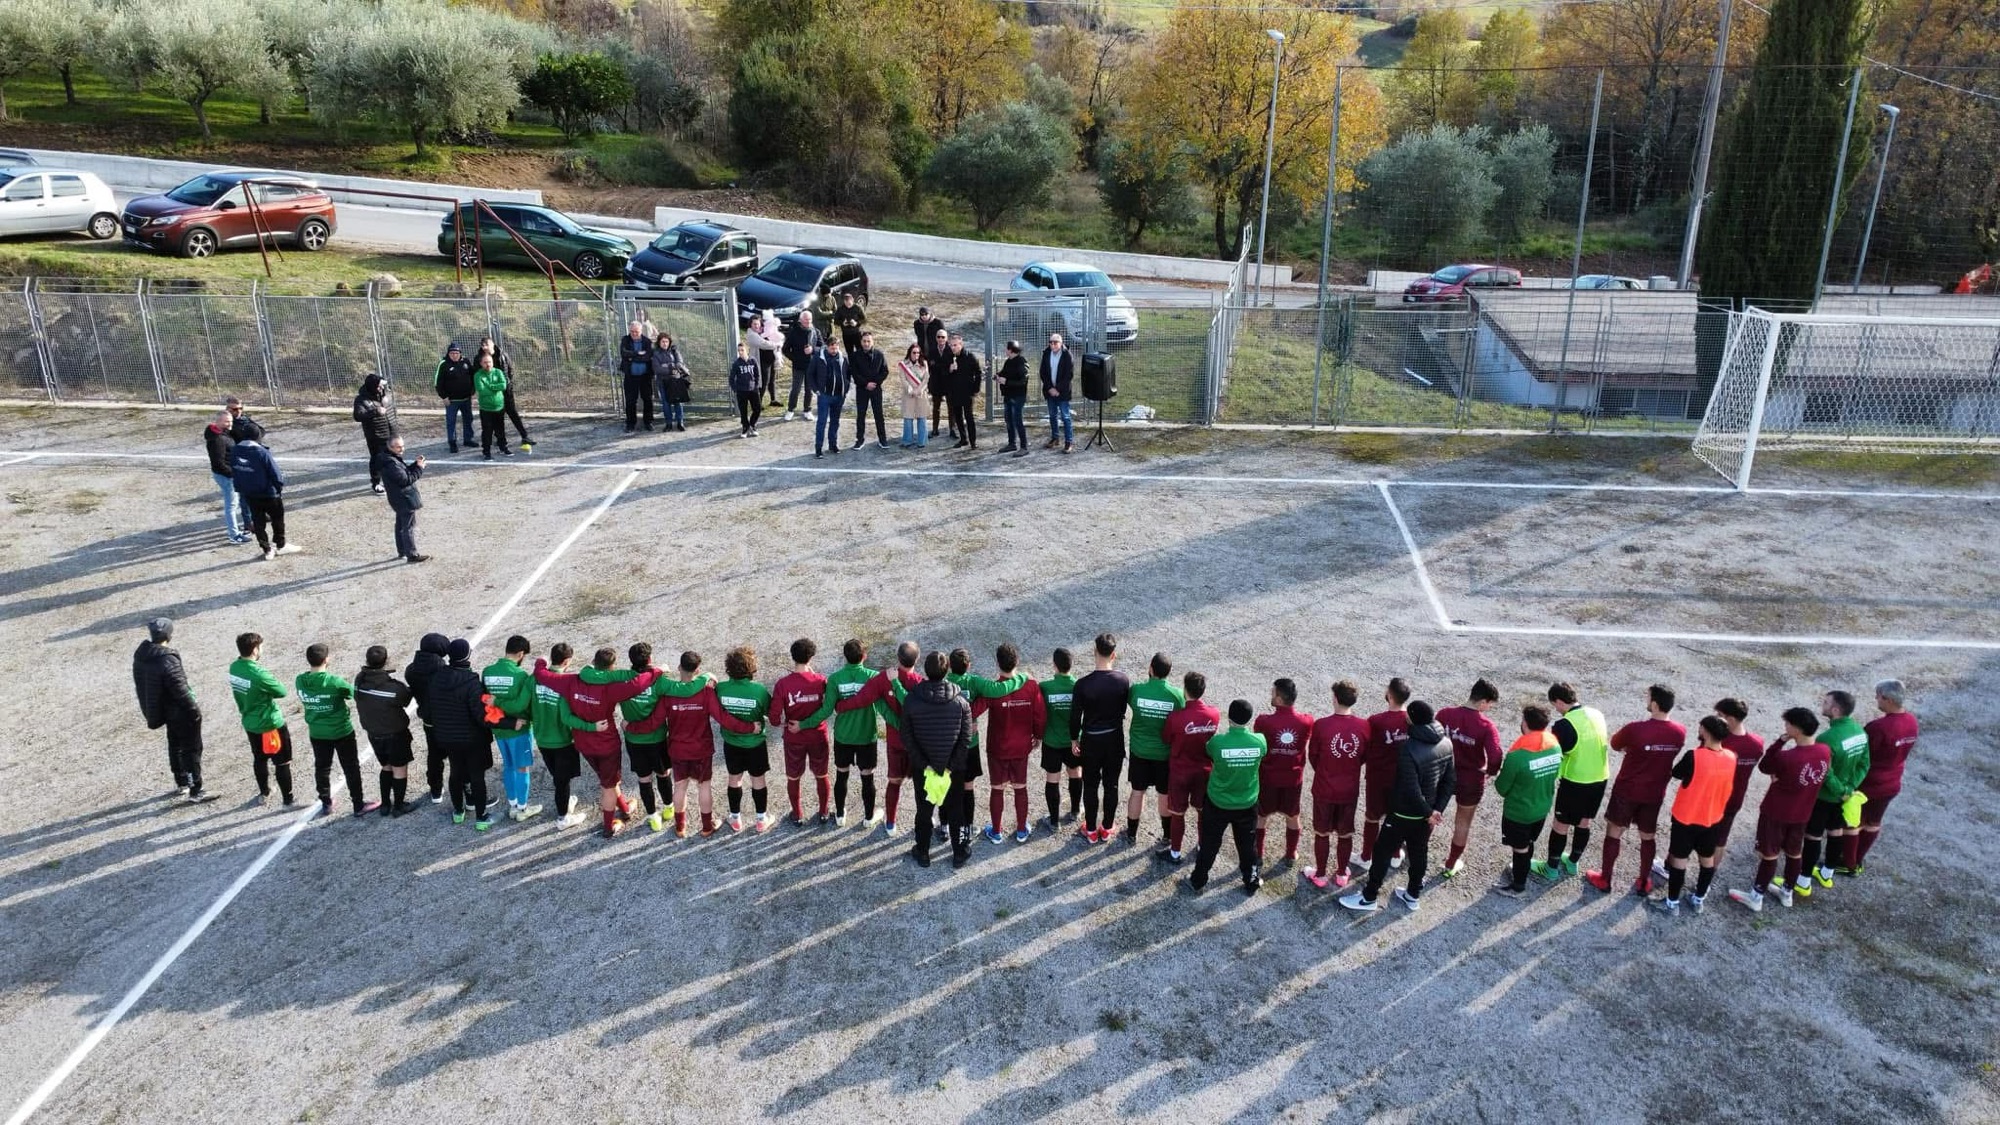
(269,554)
(527,812)
(891,831)
(1410,904)
(1396,862)
(736,822)
(570,819)
(874,819)
(1353,901)
(290,549)
(1785,896)
(1751,899)
(1694,902)
(438,799)
(1659,872)
(788,416)
(765,821)
(840,821)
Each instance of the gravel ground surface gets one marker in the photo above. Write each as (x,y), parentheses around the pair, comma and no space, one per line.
(406,970)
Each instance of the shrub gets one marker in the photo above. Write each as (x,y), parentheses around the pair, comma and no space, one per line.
(1001,160)
(577,89)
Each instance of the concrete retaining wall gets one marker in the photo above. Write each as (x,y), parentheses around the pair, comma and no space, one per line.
(143,172)
(964,251)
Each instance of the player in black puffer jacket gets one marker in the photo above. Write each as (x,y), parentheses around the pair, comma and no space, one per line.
(429,660)
(456,696)
(937,735)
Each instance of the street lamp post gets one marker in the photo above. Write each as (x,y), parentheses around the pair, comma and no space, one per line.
(1270,142)
(1881,171)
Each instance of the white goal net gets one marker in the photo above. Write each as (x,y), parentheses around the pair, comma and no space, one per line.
(1828,381)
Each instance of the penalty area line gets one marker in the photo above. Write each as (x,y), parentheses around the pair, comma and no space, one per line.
(159,968)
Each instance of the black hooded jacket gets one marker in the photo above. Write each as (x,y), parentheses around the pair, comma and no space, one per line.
(1425,779)
(937,729)
(371,409)
(457,707)
(429,660)
(162,685)
(381,701)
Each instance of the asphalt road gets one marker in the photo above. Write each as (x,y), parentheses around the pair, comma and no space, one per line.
(410,231)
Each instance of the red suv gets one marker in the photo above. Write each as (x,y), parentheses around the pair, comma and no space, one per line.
(1451,282)
(210,212)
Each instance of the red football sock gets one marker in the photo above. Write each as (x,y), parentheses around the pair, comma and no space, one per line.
(708,822)
(1021,809)
(891,799)
(792,791)
(1767,870)
(1867,841)
(1850,850)
(1453,855)
(1344,852)
(1291,844)
(825,787)
(1369,831)
(1611,845)
(996,806)
(1646,858)
(1320,844)
(1179,832)
(610,818)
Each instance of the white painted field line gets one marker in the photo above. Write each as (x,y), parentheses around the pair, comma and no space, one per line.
(1127,478)
(145,984)
(1416,557)
(17,459)
(1445,622)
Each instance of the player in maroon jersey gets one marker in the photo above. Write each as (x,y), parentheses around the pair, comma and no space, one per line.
(1186,734)
(1651,747)
(1797,766)
(1335,753)
(1476,758)
(1387,731)
(795,697)
(1282,774)
(1891,737)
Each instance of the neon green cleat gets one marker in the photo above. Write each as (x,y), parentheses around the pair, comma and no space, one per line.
(1824,875)
(1545,872)
(458,818)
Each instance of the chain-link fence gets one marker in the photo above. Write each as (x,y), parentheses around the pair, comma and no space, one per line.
(188,342)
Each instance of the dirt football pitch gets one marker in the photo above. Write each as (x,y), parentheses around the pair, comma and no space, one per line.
(161,962)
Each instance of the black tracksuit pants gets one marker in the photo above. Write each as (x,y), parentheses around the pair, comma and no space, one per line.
(1239,823)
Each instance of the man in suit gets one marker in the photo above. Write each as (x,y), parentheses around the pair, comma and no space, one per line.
(1058,374)
(870,371)
(399,480)
(827,379)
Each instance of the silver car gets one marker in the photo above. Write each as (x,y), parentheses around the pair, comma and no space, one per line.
(37,200)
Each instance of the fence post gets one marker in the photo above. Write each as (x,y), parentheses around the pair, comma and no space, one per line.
(44,355)
(375,330)
(1345,336)
(1576,255)
(265,351)
(152,340)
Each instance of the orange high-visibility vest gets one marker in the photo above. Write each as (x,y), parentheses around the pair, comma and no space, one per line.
(1702,799)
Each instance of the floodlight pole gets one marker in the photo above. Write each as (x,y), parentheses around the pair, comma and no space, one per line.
(1326,242)
(1833,197)
(1576,257)
(1711,106)
(1270,143)
(1881,173)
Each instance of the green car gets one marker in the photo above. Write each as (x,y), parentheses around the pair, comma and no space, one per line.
(592,254)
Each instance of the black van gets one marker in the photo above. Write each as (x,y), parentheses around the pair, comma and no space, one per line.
(694,255)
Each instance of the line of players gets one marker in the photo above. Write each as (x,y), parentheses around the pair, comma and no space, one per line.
(1392,773)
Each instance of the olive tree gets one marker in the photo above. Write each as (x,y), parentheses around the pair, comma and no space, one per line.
(205,48)
(424,71)
(1003,159)
(1429,192)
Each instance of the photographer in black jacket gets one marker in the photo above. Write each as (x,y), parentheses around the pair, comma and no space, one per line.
(165,700)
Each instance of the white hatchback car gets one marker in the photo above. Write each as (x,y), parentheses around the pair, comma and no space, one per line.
(36,200)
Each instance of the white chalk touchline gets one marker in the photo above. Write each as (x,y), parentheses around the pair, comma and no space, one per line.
(145,984)
(1133,478)
(1445,622)
(17,459)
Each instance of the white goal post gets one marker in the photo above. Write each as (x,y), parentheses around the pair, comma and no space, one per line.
(1898,384)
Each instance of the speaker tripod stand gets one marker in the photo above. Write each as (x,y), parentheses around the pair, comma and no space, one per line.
(1098,438)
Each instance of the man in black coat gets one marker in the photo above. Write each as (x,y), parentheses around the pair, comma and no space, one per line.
(870,372)
(371,410)
(453,383)
(937,349)
(429,660)
(936,725)
(220,443)
(961,381)
(849,317)
(1058,375)
(399,480)
(1425,782)
(458,719)
(635,363)
(165,700)
(802,343)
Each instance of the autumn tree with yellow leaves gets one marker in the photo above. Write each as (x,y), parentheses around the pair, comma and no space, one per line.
(1207,81)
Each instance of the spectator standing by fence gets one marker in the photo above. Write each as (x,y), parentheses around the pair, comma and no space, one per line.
(937,350)
(490,384)
(802,344)
(371,409)
(914,374)
(673,375)
(1058,378)
(453,383)
(869,371)
(635,363)
(261,484)
(240,422)
(505,363)
(1014,398)
(746,383)
(166,700)
(766,341)
(849,318)
(961,371)
(400,480)
(215,437)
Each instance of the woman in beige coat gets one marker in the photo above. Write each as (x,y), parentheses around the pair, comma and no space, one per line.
(914,372)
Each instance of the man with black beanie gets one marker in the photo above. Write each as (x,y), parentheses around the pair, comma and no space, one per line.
(166,700)
(429,660)
(458,718)
(937,737)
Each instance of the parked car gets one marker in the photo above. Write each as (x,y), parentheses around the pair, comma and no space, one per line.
(1608,281)
(211,212)
(591,253)
(1451,282)
(17,158)
(1121,320)
(694,255)
(803,280)
(37,200)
